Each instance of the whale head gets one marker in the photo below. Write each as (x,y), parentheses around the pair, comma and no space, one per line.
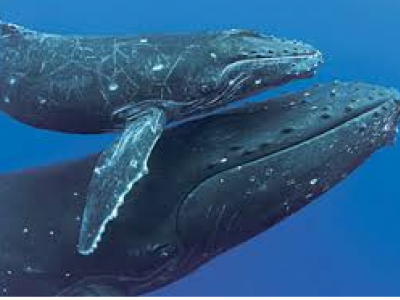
(241,63)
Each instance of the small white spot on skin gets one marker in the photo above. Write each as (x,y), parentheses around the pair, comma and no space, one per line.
(387,128)
(28,269)
(12,81)
(67,275)
(314,181)
(307,94)
(42,100)
(309,196)
(231,82)
(113,87)
(5,290)
(51,233)
(269,171)
(158,67)
(26,230)
(78,218)
(239,168)
(258,82)
(144,40)
(291,182)
(7,99)
(9,272)
(221,180)
(76,194)
(134,164)
(223,160)
(213,55)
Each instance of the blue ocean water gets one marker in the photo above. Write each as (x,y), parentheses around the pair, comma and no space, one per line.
(348,242)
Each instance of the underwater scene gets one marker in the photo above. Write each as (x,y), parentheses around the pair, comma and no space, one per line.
(209,148)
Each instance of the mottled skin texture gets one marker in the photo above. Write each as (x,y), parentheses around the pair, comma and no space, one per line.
(215,183)
(93,84)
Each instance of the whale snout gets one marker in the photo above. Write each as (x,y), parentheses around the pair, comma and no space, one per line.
(284,154)
(291,57)
(270,61)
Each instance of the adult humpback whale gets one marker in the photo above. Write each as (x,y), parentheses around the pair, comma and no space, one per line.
(200,200)
(136,84)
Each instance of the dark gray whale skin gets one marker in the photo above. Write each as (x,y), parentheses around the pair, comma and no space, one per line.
(94,84)
(216,183)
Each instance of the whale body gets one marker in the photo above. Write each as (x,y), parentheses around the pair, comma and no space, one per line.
(216,183)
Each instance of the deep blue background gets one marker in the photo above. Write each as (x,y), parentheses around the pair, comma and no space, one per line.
(348,242)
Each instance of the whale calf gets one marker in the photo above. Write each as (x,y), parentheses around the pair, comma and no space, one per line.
(216,182)
(138,85)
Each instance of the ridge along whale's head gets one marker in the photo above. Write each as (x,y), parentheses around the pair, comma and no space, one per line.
(242,63)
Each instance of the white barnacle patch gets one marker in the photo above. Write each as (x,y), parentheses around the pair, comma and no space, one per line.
(286,205)
(258,82)
(314,181)
(144,40)
(51,233)
(158,67)
(113,86)
(28,269)
(309,196)
(12,81)
(42,100)
(26,230)
(213,55)
(76,194)
(223,160)
(291,182)
(268,172)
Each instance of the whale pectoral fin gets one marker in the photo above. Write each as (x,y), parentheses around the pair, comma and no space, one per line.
(117,170)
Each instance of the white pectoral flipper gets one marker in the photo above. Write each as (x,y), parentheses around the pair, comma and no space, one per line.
(117,170)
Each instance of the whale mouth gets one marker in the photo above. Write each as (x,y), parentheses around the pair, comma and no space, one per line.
(300,65)
(274,58)
(272,70)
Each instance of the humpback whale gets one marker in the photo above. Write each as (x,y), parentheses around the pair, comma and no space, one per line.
(215,183)
(139,86)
